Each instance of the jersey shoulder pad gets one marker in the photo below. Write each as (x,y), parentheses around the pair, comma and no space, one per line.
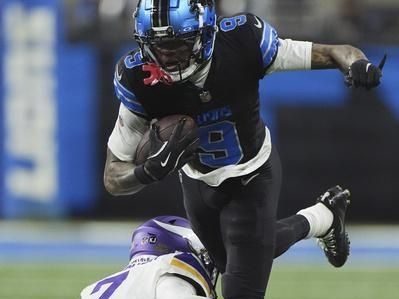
(127,81)
(132,59)
(187,265)
(268,40)
(255,32)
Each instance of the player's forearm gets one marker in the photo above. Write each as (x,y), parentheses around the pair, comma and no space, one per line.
(335,56)
(119,177)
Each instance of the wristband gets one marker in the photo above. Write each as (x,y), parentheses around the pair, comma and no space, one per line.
(143,176)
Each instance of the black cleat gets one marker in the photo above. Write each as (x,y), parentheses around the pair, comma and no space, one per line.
(335,243)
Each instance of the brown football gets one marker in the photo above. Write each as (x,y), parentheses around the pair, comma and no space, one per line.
(166,126)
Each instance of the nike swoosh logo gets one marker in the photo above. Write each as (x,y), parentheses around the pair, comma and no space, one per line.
(245,182)
(159,151)
(258,23)
(163,164)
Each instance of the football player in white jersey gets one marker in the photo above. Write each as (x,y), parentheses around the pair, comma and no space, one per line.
(167,261)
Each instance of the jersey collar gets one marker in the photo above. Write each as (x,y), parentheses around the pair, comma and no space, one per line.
(199,78)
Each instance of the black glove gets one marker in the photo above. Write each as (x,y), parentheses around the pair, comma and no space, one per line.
(166,157)
(362,73)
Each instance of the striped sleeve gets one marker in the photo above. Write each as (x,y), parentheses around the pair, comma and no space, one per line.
(265,41)
(128,98)
(269,44)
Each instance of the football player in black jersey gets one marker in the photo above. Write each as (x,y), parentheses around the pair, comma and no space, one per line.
(190,63)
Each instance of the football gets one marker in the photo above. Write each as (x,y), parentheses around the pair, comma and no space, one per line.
(165,129)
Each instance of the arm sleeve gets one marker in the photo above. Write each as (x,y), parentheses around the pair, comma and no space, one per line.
(292,55)
(128,131)
(279,54)
(172,287)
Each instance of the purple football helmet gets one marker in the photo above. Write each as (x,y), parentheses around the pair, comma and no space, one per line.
(168,234)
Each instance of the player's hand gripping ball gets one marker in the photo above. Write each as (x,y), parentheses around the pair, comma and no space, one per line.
(170,143)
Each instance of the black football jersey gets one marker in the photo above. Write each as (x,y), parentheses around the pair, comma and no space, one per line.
(226,109)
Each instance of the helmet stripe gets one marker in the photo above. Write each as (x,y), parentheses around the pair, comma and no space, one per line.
(164,12)
(160,13)
(155,13)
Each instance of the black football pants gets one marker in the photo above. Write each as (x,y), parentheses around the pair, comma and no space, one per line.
(237,224)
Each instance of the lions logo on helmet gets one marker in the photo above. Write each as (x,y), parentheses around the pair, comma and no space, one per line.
(176,35)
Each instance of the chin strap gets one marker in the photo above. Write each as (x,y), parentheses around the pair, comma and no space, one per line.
(157,74)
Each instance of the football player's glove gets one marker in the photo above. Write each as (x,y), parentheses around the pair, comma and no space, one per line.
(166,157)
(362,73)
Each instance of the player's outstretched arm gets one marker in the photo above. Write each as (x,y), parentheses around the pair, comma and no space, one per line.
(335,56)
(358,70)
(119,177)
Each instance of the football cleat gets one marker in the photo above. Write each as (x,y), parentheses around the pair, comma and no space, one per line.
(335,243)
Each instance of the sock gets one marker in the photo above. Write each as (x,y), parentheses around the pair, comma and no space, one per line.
(320,219)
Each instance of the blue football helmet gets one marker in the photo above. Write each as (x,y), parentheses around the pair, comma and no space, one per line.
(192,22)
(169,234)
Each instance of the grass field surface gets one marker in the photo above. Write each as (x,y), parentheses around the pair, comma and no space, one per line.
(41,260)
(62,281)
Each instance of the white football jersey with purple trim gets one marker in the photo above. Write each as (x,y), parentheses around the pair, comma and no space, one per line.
(147,277)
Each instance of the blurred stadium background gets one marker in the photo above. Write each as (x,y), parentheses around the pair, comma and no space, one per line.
(60,230)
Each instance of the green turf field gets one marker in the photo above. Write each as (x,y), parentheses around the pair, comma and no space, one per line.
(63,281)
